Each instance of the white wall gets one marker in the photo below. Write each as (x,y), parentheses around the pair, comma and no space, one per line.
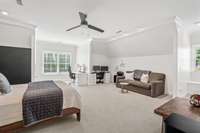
(15,33)
(15,36)
(183,61)
(42,46)
(99,53)
(84,54)
(195,37)
(100,59)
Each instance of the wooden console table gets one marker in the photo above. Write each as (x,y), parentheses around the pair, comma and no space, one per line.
(180,106)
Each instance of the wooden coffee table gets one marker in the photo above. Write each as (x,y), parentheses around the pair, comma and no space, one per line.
(123,87)
(179,106)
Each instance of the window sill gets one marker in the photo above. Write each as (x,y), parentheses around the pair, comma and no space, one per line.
(196,71)
(57,73)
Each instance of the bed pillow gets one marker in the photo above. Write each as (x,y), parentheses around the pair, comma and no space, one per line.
(144,78)
(128,76)
(5,87)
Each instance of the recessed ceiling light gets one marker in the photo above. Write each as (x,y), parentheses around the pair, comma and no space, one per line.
(197,23)
(4,13)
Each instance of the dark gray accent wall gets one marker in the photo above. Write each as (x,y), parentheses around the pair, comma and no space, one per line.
(15,64)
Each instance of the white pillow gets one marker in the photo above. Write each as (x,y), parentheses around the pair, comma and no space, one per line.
(144,78)
(128,76)
(5,87)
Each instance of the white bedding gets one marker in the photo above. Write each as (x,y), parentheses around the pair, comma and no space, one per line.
(11,104)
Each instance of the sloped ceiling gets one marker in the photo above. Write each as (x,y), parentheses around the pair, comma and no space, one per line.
(157,41)
(52,16)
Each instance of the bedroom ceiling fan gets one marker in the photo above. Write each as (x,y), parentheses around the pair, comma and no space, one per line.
(19,2)
(85,24)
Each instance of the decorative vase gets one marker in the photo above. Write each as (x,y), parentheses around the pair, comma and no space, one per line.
(195,100)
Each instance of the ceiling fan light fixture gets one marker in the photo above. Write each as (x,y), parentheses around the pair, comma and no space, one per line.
(84,23)
(84,26)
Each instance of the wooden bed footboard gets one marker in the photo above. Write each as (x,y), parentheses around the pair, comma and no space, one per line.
(17,126)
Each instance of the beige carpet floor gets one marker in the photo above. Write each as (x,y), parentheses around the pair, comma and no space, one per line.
(106,110)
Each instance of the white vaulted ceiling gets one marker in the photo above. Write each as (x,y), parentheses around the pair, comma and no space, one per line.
(156,41)
(53,17)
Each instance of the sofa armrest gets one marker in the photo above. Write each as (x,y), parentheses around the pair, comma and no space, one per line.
(157,82)
(157,88)
(118,80)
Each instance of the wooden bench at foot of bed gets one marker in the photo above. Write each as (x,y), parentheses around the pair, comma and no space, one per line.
(17,126)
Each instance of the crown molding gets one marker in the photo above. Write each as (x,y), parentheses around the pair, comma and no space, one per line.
(15,22)
(175,20)
(178,21)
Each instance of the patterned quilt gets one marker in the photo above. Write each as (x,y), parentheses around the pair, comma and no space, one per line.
(42,100)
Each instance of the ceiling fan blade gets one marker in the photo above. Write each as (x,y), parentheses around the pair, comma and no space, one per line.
(19,2)
(73,28)
(82,17)
(95,28)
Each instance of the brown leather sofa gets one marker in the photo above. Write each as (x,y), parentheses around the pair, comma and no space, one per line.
(155,87)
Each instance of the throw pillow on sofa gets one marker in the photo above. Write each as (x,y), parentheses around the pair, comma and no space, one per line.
(138,74)
(128,76)
(144,78)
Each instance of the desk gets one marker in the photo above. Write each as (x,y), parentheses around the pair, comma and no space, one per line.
(107,77)
(102,77)
(92,79)
(180,106)
(81,79)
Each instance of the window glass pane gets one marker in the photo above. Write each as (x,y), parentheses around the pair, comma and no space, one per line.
(53,67)
(62,58)
(68,59)
(50,62)
(46,68)
(64,61)
(197,59)
(62,68)
(55,61)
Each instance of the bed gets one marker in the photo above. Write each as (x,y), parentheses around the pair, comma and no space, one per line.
(11,116)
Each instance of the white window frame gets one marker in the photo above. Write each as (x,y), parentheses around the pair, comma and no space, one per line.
(57,71)
(194,48)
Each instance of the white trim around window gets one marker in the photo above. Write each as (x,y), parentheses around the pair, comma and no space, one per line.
(57,62)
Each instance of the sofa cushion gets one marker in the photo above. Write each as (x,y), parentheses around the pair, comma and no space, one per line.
(144,78)
(140,84)
(138,74)
(125,80)
(128,76)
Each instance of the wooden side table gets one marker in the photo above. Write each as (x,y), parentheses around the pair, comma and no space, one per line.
(123,87)
(179,106)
